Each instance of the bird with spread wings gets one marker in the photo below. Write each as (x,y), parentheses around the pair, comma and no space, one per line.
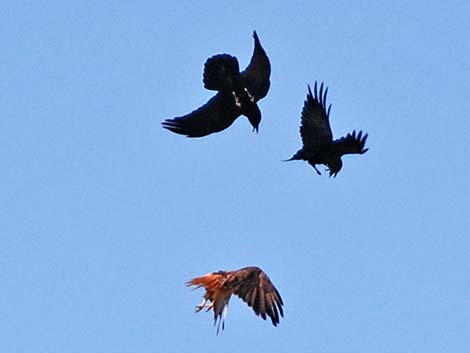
(318,144)
(237,94)
(251,284)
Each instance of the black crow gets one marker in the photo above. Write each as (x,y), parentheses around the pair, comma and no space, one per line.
(318,144)
(237,94)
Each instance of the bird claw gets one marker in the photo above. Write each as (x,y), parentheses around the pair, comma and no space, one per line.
(199,307)
(209,307)
(252,99)
(203,305)
(238,103)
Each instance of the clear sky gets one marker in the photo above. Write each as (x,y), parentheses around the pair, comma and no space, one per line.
(104,215)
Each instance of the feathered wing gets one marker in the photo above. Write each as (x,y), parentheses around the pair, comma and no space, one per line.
(315,125)
(214,116)
(220,71)
(256,289)
(256,75)
(350,144)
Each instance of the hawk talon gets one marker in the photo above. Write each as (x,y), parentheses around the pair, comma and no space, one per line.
(209,307)
(199,307)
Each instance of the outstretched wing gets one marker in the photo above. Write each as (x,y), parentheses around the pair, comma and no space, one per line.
(216,115)
(220,72)
(256,75)
(351,144)
(315,125)
(256,289)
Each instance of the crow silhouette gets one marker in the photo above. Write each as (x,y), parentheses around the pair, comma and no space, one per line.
(237,94)
(318,144)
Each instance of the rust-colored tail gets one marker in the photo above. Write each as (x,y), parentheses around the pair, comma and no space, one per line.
(210,281)
(215,294)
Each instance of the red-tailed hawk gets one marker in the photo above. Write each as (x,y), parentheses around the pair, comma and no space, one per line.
(251,284)
(318,144)
(237,94)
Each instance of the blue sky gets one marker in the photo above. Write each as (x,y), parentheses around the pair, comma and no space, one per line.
(104,215)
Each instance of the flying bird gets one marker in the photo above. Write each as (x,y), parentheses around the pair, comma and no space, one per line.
(318,144)
(237,94)
(251,284)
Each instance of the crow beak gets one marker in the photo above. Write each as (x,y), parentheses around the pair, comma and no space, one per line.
(255,129)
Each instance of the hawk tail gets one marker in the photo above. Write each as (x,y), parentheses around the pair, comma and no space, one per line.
(209,281)
(217,296)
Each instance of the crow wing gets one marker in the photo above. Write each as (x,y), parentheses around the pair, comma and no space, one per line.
(315,125)
(350,144)
(256,75)
(256,289)
(216,115)
(220,72)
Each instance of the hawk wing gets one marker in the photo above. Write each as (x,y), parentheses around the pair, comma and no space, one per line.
(216,115)
(351,144)
(256,75)
(315,125)
(256,289)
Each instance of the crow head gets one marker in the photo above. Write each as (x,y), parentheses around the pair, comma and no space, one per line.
(254,116)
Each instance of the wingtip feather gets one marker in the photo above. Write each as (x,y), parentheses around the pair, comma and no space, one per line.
(255,36)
